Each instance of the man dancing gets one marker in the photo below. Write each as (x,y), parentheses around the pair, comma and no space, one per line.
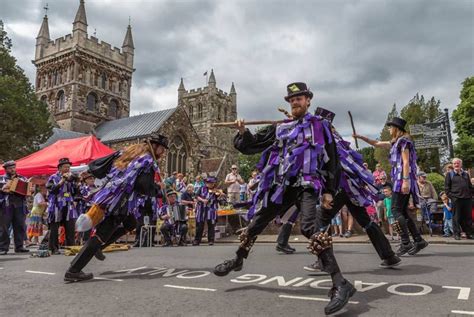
(299,165)
(357,191)
(130,182)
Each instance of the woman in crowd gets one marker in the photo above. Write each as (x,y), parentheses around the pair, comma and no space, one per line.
(37,215)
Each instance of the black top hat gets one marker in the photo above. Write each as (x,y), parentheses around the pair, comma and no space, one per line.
(326,114)
(9,164)
(63,161)
(397,122)
(297,89)
(157,138)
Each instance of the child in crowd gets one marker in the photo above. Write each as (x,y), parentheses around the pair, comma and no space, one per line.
(37,215)
(387,191)
(336,223)
(448,216)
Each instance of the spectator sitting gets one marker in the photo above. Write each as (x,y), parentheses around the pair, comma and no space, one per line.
(448,216)
(387,190)
(336,223)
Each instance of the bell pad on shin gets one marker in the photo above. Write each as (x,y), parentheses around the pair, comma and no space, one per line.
(246,242)
(319,242)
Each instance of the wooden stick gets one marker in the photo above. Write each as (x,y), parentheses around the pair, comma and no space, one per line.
(353,129)
(233,124)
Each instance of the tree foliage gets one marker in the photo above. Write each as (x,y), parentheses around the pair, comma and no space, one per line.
(463,118)
(24,118)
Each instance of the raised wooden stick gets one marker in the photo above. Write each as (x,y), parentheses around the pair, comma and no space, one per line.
(233,124)
(353,128)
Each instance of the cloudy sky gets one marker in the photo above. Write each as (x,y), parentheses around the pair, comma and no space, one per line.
(361,56)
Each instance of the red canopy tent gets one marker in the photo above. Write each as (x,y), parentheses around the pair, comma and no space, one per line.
(44,162)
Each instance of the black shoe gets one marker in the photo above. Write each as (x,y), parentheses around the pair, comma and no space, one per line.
(290,247)
(339,297)
(284,249)
(457,237)
(348,234)
(404,248)
(55,252)
(469,237)
(136,244)
(210,243)
(390,262)
(230,265)
(313,267)
(167,244)
(418,246)
(3,252)
(182,244)
(77,277)
(195,243)
(22,250)
(99,255)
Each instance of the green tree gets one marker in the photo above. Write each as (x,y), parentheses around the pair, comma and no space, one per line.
(247,165)
(463,118)
(24,118)
(437,180)
(420,111)
(368,156)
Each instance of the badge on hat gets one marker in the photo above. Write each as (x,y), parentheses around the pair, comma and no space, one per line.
(297,89)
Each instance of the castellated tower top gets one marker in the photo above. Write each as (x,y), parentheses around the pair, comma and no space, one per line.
(80,40)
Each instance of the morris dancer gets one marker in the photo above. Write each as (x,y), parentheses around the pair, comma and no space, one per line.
(130,182)
(357,191)
(299,167)
(403,174)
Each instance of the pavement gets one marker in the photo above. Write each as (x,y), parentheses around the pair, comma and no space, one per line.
(179,282)
(356,238)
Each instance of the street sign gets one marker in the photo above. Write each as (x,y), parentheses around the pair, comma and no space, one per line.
(431,142)
(429,129)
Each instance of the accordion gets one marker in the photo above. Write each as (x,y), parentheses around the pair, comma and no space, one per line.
(20,187)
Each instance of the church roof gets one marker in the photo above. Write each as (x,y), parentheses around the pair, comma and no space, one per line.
(60,134)
(134,127)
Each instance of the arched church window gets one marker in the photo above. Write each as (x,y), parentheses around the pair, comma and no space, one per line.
(91,102)
(60,100)
(177,156)
(191,112)
(44,99)
(113,106)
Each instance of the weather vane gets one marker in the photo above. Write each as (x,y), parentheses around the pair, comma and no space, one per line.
(46,9)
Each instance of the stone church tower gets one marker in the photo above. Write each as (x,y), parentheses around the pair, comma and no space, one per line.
(209,105)
(84,82)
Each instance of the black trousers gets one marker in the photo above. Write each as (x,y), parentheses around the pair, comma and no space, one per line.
(200,230)
(69,227)
(313,220)
(107,232)
(400,213)
(167,230)
(462,216)
(376,236)
(16,218)
(182,230)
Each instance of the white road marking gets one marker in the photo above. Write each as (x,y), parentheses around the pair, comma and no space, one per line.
(318,299)
(38,272)
(1,268)
(108,279)
(463,312)
(191,288)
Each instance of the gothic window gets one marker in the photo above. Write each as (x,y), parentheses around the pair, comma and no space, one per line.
(103,80)
(177,156)
(55,80)
(219,112)
(225,114)
(44,99)
(91,102)
(200,111)
(60,101)
(113,106)
(191,112)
